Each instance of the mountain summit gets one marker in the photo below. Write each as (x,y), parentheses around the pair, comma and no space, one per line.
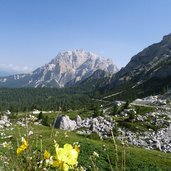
(70,66)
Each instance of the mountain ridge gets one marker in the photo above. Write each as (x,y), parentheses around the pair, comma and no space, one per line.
(65,67)
(148,70)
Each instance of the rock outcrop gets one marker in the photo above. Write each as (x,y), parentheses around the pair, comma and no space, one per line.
(99,125)
(65,123)
(4,121)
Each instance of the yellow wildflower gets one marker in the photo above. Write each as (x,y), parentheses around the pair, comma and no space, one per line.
(21,148)
(66,157)
(46,155)
(65,167)
(60,165)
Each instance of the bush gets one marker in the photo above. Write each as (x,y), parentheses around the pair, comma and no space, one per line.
(47,121)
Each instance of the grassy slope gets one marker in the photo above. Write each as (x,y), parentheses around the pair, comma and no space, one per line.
(137,159)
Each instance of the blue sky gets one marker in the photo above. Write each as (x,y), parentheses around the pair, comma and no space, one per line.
(32,32)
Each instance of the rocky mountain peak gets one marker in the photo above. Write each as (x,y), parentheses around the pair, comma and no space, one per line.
(167,38)
(78,57)
(69,66)
(77,65)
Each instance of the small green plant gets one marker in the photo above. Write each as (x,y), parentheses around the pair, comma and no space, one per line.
(126,105)
(115,131)
(40,116)
(115,110)
(97,111)
(94,136)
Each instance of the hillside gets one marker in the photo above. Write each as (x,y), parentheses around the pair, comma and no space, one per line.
(148,72)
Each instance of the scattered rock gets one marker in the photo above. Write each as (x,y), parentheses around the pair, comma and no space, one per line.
(78,120)
(99,125)
(65,123)
(2,122)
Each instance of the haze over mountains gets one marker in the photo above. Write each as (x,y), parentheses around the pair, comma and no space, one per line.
(4,73)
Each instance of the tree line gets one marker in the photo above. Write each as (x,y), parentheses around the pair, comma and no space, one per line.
(27,99)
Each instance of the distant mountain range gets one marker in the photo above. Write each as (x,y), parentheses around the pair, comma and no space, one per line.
(67,69)
(147,72)
(4,73)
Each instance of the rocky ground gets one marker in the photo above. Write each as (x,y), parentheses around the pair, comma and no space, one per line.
(160,139)
(100,125)
(157,138)
(156,132)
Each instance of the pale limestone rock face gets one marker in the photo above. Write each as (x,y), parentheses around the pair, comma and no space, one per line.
(77,65)
(65,123)
(2,122)
(78,120)
(70,66)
